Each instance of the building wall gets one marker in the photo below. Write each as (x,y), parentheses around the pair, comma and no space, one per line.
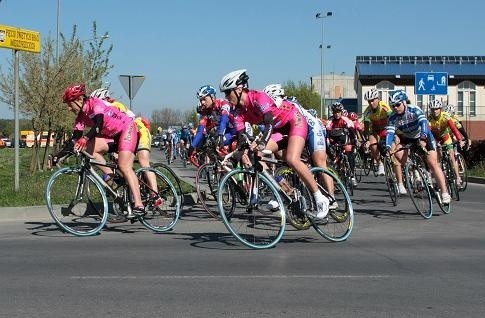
(335,86)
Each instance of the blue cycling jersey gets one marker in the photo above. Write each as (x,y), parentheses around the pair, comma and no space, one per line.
(411,124)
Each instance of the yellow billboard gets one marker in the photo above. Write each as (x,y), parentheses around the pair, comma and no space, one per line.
(19,39)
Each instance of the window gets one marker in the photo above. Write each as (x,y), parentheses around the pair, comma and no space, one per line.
(467,102)
(384,88)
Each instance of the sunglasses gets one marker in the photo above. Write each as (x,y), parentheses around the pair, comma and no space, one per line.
(397,104)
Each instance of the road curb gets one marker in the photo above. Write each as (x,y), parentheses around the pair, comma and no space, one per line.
(479,180)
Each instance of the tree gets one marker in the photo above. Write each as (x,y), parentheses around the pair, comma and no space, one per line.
(303,93)
(43,79)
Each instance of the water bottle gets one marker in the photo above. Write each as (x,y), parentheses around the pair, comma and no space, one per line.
(284,184)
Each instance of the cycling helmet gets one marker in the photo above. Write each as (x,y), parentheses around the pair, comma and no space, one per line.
(274,91)
(337,106)
(74,92)
(353,116)
(102,93)
(372,94)
(436,104)
(206,90)
(345,113)
(450,109)
(397,97)
(313,112)
(233,80)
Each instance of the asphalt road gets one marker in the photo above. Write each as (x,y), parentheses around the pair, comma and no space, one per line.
(395,264)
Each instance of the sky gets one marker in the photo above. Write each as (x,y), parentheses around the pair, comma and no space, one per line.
(181,45)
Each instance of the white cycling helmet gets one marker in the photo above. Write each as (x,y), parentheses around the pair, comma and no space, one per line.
(274,91)
(372,94)
(102,93)
(450,109)
(436,104)
(233,80)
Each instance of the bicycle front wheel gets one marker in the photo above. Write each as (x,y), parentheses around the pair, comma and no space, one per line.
(206,183)
(251,208)
(391,181)
(462,171)
(419,191)
(161,204)
(77,202)
(338,224)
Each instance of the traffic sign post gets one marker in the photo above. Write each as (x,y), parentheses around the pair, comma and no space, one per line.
(18,40)
(431,83)
(131,84)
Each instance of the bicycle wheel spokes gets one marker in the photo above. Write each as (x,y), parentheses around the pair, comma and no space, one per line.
(257,222)
(419,191)
(76,202)
(162,205)
(207,182)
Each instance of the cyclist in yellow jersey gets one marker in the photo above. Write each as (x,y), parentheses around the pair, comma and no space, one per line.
(375,118)
(442,127)
(144,137)
(465,143)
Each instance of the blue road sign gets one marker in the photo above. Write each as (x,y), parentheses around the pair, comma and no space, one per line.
(431,83)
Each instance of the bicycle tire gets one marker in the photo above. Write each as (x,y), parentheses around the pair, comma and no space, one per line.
(367,162)
(391,181)
(251,221)
(359,167)
(159,217)
(167,171)
(462,170)
(206,184)
(419,190)
(77,202)
(450,178)
(339,223)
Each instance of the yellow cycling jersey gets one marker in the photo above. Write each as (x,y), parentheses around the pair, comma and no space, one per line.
(441,127)
(377,119)
(145,138)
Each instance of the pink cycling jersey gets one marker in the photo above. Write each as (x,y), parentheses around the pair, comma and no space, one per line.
(116,124)
(286,117)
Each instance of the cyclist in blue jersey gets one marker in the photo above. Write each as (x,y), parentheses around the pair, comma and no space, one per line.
(410,124)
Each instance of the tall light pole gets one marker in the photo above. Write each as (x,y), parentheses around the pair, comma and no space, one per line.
(322,16)
(57,30)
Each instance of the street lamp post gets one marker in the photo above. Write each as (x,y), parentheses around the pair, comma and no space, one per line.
(322,15)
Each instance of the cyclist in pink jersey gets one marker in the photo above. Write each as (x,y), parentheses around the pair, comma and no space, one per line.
(257,107)
(105,121)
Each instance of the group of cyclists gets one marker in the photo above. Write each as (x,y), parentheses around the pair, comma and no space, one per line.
(286,129)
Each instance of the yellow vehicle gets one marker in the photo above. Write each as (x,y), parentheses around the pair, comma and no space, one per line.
(29,137)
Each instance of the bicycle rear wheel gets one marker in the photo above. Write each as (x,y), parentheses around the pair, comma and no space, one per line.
(162,205)
(174,179)
(338,224)
(294,214)
(77,202)
(419,191)
(255,222)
